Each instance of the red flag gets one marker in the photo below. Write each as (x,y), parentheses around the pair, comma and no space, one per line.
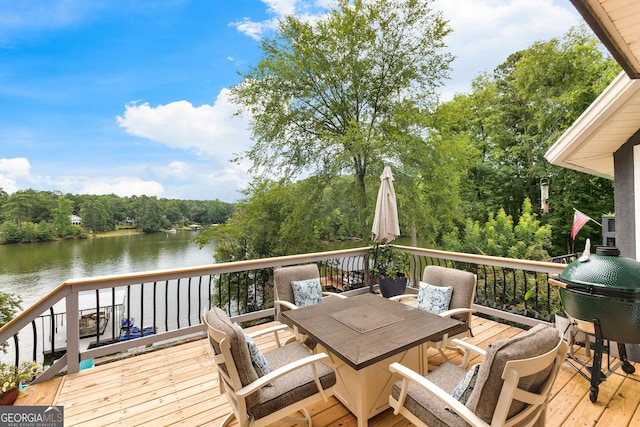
(579,220)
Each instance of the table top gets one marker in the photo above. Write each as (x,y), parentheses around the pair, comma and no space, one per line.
(365,329)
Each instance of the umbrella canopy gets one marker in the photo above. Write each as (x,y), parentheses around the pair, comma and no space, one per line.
(385,222)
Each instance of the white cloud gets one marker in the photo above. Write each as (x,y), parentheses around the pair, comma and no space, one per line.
(11,170)
(486,32)
(7,184)
(212,131)
(278,9)
(206,183)
(121,186)
(178,169)
(16,167)
(281,7)
(253,29)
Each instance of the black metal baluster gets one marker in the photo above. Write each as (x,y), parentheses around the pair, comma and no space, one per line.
(514,301)
(189,302)
(141,309)
(113,313)
(155,302)
(238,293)
(166,305)
(97,317)
(495,287)
(15,344)
(178,299)
(199,298)
(35,339)
(129,324)
(210,291)
(53,338)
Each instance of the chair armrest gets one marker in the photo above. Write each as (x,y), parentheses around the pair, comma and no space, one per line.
(289,305)
(403,296)
(447,400)
(467,349)
(271,330)
(455,311)
(283,370)
(333,294)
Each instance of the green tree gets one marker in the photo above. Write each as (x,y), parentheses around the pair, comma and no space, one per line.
(62,217)
(29,232)
(96,214)
(218,212)
(272,220)
(528,239)
(19,206)
(514,115)
(148,214)
(10,232)
(344,94)
(10,305)
(45,232)
(4,197)
(173,211)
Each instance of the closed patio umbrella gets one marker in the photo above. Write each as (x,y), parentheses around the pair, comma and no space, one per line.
(385,221)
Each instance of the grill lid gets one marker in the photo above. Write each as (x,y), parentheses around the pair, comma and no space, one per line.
(605,269)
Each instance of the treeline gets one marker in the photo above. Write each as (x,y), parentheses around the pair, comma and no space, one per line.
(37,216)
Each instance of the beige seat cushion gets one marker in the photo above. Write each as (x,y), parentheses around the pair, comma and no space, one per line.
(287,389)
(484,397)
(283,277)
(294,386)
(462,282)
(219,320)
(538,340)
(422,404)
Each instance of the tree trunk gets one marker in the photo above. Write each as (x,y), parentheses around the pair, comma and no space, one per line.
(362,201)
(414,233)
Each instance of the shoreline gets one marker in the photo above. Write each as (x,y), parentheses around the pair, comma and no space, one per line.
(112,233)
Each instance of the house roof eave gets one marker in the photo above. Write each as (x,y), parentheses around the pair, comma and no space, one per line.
(589,144)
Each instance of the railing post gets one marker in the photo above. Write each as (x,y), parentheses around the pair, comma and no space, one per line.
(73,333)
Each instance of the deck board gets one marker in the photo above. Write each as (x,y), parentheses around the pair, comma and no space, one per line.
(178,386)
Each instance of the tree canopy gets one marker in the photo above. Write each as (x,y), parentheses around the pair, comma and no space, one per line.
(511,118)
(346,93)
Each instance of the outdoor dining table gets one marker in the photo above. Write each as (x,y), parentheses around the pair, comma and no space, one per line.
(363,335)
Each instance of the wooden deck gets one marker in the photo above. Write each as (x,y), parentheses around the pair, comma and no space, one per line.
(179,386)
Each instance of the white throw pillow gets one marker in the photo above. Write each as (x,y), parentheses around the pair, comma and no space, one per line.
(465,387)
(307,292)
(259,362)
(434,299)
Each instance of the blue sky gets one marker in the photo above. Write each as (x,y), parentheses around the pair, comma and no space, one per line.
(130,96)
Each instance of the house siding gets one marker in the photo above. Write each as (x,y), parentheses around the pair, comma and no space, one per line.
(624,197)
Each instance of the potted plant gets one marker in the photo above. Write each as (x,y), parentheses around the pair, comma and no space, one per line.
(389,267)
(12,376)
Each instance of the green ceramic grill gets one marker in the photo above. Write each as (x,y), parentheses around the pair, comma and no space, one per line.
(602,291)
(606,287)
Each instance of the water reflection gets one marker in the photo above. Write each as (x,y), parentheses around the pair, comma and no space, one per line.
(33,270)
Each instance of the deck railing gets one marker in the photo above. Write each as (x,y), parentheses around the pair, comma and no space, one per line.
(171,301)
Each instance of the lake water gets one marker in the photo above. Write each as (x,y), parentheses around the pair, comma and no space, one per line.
(33,270)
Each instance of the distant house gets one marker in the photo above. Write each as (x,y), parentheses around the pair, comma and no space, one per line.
(195,227)
(75,220)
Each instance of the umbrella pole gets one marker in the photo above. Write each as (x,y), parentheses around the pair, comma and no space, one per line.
(375,259)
